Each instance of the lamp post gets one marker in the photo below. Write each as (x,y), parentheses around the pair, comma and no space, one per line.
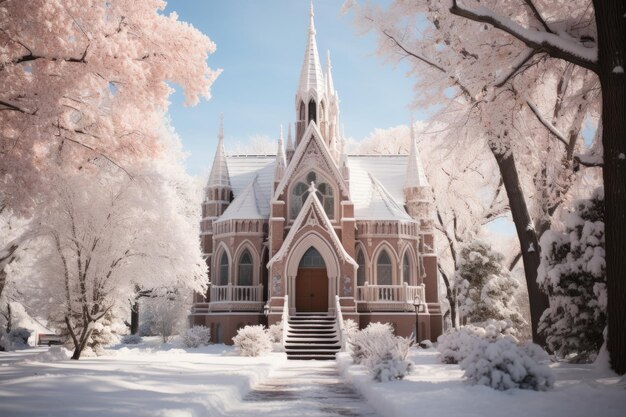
(419,307)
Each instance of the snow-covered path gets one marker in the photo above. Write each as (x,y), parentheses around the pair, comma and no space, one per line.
(304,388)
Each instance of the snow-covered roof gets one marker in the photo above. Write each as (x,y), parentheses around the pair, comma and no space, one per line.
(246,204)
(244,168)
(388,170)
(367,193)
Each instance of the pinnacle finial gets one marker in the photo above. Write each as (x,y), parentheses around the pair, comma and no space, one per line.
(220,134)
(312,188)
(312,23)
(280,138)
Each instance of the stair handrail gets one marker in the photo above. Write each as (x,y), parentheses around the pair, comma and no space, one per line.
(285,318)
(340,327)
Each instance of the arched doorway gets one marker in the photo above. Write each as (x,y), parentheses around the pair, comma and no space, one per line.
(312,283)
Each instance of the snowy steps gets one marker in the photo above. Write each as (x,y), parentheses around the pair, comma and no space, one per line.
(312,337)
(305,388)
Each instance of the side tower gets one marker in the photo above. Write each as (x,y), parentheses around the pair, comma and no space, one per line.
(419,205)
(218,195)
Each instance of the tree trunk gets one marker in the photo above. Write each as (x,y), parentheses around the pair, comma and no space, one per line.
(450,297)
(612,55)
(134,317)
(527,236)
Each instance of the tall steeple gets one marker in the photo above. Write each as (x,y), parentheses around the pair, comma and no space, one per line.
(311,92)
(219,172)
(415,176)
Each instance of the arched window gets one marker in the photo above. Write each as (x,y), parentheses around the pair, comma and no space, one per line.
(245,269)
(223,278)
(383,269)
(406,269)
(312,259)
(312,111)
(360,273)
(324,194)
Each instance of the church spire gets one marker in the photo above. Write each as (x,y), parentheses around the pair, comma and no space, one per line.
(219,172)
(281,163)
(290,148)
(415,176)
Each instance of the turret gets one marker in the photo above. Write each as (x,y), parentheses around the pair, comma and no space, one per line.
(290,149)
(418,193)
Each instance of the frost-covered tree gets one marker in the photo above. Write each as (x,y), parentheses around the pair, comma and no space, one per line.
(109,236)
(485,287)
(573,274)
(520,64)
(85,84)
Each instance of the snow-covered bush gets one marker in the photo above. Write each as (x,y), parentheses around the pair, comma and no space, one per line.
(132,339)
(457,344)
(350,328)
(384,354)
(252,341)
(17,338)
(105,332)
(166,311)
(197,336)
(572,273)
(425,344)
(275,332)
(485,288)
(502,365)
(359,339)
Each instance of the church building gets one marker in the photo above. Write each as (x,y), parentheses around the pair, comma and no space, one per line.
(314,231)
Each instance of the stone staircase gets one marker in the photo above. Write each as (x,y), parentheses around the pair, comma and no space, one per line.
(312,336)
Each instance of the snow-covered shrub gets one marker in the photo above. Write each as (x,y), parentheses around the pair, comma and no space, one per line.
(386,357)
(17,338)
(384,354)
(572,273)
(350,327)
(425,344)
(105,332)
(197,336)
(485,288)
(132,339)
(359,339)
(275,332)
(252,341)
(166,311)
(502,365)
(457,344)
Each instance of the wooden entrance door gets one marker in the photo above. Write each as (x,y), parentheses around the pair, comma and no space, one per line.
(312,290)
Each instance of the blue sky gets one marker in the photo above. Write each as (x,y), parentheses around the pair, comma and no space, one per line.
(260,47)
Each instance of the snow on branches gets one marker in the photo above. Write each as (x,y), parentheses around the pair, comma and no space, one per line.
(485,288)
(572,273)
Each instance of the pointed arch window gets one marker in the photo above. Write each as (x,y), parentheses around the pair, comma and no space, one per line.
(245,269)
(312,259)
(324,194)
(360,273)
(312,111)
(384,269)
(406,269)
(223,270)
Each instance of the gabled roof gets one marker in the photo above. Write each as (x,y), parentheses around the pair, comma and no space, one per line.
(246,204)
(381,205)
(244,168)
(312,209)
(311,75)
(219,171)
(311,134)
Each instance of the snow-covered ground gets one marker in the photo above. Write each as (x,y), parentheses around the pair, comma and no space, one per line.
(166,381)
(146,380)
(437,389)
